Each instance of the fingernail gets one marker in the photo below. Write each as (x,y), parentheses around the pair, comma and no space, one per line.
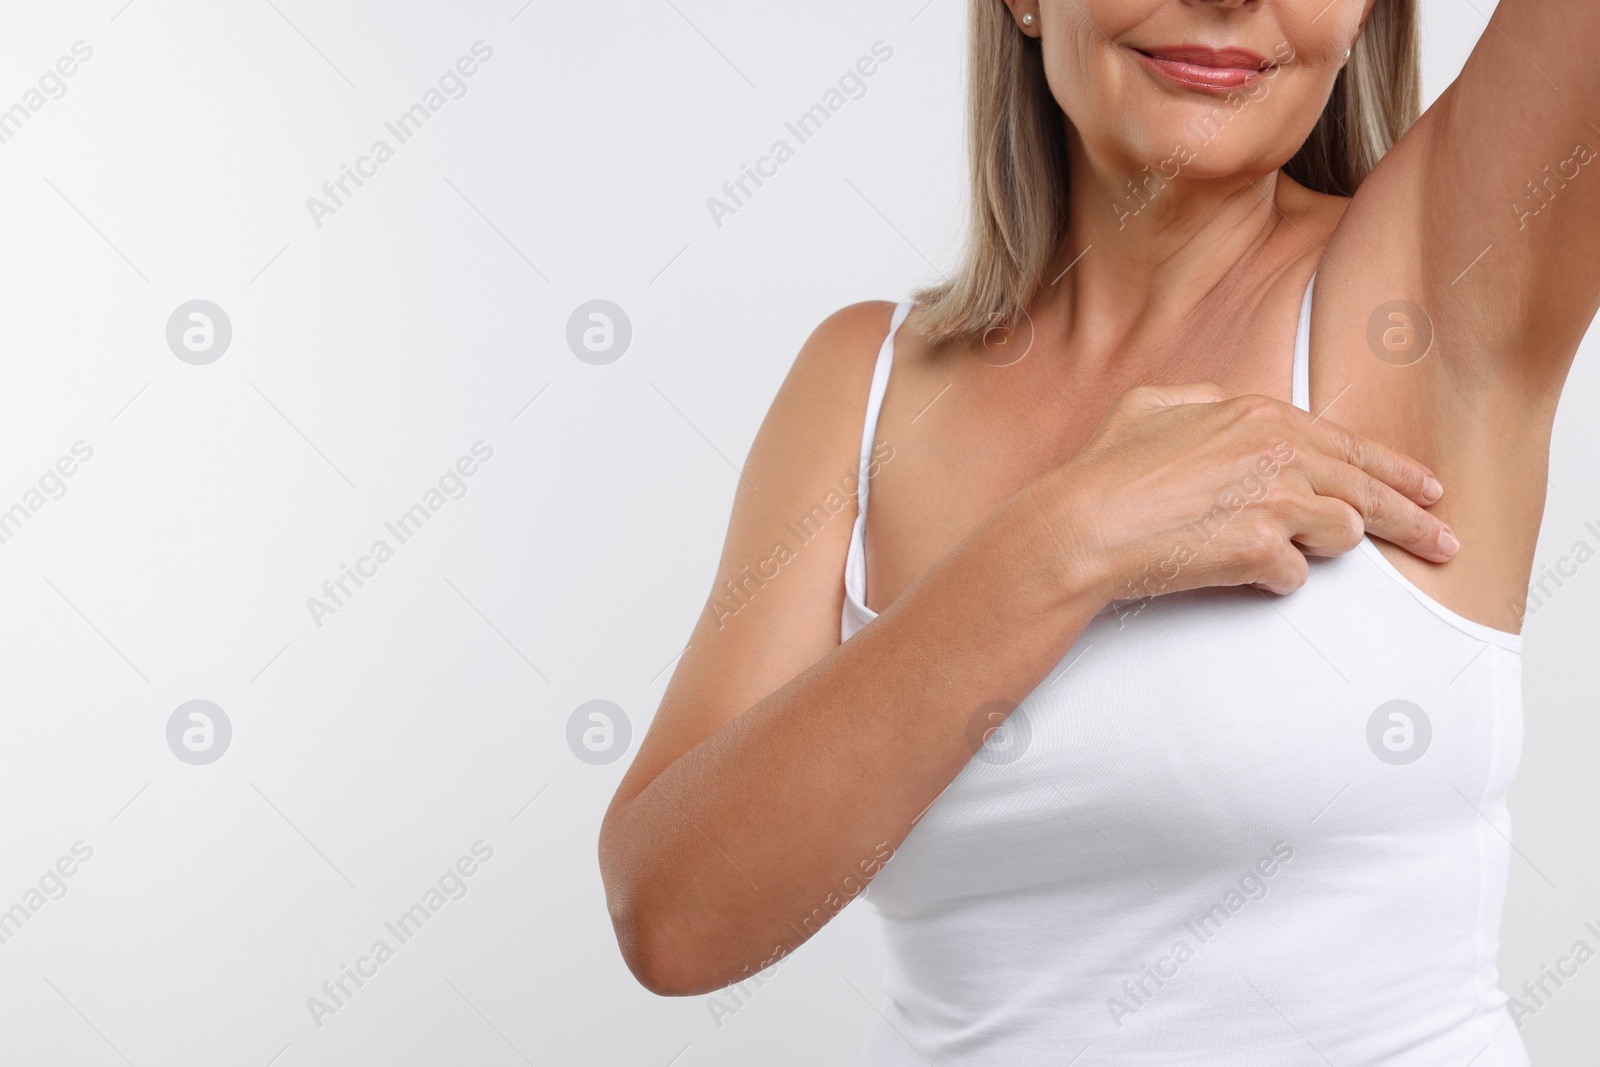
(1448,545)
(1431,489)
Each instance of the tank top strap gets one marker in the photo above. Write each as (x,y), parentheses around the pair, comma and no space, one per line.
(880,383)
(1301,395)
(856,613)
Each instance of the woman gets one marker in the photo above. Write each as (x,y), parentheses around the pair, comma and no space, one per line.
(1172,722)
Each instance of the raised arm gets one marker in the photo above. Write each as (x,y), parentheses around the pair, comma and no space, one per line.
(1493,199)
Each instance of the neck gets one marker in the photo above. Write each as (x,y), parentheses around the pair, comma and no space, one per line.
(1156,246)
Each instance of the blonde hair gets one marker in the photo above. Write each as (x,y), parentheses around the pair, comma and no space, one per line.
(1017,146)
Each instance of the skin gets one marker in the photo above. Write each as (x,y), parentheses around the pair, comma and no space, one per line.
(1025,493)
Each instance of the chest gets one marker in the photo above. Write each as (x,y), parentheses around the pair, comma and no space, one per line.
(971,428)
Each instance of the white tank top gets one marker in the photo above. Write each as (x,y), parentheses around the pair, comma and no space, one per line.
(1230,829)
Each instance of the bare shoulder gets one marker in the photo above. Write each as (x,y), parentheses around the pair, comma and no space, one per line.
(838,356)
(810,437)
(775,601)
(819,408)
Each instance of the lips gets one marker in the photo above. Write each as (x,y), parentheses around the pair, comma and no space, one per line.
(1217,70)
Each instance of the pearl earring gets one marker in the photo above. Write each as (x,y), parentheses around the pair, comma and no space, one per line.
(1347,53)
(1027,20)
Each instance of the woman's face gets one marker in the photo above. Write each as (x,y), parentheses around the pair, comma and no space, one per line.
(1198,88)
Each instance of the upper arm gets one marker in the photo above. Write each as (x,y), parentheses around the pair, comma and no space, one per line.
(1494,196)
(775,603)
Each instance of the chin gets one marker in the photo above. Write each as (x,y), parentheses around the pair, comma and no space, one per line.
(1208,140)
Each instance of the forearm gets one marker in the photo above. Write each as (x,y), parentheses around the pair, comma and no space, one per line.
(739,849)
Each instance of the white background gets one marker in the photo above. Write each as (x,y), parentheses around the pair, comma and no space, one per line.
(367,355)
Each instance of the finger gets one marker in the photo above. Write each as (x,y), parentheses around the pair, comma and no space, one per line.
(1166,396)
(1329,527)
(1285,572)
(1384,512)
(1395,469)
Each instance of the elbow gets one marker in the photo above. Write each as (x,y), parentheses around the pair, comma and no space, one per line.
(659,960)
(662,952)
